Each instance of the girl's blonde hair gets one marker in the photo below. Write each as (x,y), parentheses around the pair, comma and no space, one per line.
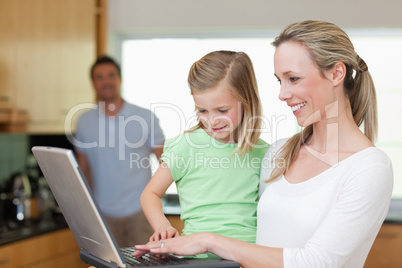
(237,69)
(327,45)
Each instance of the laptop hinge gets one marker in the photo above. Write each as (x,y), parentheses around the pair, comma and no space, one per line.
(99,263)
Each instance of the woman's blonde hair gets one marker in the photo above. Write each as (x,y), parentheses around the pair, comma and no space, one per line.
(327,45)
(237,69)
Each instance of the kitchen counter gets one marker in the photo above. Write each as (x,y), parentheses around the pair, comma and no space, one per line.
(395,212)
(35,229)
(171,206)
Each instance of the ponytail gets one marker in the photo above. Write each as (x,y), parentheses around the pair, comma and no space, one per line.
(363,101)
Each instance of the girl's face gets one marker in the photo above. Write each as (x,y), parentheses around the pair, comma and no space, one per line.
(303,87)
(219,111)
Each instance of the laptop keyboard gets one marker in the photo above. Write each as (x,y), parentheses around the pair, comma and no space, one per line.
(150,259)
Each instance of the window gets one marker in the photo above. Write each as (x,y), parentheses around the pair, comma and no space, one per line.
(155,77)
(383,56)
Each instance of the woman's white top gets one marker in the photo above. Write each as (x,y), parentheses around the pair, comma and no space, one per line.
(330,220)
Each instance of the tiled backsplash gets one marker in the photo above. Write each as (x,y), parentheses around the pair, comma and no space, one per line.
(14,149)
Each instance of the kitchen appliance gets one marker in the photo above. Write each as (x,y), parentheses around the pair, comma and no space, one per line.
(17,200)
(26,198)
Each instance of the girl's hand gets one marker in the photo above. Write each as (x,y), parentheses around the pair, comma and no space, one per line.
(164,232)
(184,245)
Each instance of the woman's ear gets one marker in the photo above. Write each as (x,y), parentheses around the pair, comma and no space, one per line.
(338,73)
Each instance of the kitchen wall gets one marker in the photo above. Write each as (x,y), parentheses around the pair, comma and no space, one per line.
(183,16)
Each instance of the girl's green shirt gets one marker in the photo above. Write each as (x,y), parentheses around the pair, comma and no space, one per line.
(218,191)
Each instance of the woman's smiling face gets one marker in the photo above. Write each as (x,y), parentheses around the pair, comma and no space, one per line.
(303,87)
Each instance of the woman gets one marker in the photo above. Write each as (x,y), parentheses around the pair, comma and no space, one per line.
(325,191)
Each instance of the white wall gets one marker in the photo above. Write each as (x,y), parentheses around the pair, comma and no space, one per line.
(188,16)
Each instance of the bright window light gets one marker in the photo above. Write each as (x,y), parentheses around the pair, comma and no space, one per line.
(155,77)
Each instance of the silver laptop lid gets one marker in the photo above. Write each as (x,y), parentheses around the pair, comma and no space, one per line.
(75,200)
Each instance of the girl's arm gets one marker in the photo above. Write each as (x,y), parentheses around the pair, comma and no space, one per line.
(152,205)
(247,254)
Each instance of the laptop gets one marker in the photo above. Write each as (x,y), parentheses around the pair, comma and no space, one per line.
(90,230)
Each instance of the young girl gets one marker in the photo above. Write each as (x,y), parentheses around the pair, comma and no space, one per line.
(216,164)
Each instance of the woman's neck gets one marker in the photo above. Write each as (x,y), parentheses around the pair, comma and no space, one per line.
(337,134)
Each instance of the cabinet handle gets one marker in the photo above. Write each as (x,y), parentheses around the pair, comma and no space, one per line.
(4,261)
(388,235)
(4,98)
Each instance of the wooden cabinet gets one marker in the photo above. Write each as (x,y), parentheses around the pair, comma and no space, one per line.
(47,50)
(176,222)
(55,249)
(6,58)
(5,256)
(387,248)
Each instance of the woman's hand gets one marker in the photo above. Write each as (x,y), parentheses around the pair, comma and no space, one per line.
(184,245)
(247,254)
(164,232)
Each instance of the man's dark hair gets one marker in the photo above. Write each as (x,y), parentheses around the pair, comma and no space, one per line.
(105,60)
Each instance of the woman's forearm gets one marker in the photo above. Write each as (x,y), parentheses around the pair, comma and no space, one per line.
(247,254)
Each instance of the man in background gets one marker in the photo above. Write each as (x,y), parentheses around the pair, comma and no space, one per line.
(114,142)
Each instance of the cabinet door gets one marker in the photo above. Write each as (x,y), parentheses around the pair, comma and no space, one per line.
(55,46)
(5,259)
(77,58)
(66,260)
(7,39)
(176,222)
(387,248)
(55,249)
